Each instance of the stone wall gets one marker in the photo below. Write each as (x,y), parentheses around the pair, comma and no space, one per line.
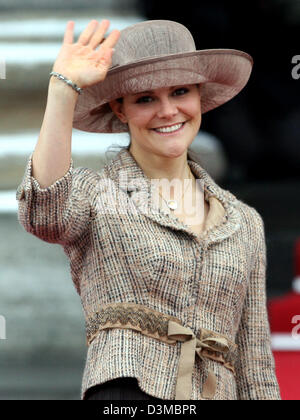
(66,5)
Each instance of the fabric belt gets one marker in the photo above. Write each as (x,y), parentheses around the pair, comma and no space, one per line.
(207,344)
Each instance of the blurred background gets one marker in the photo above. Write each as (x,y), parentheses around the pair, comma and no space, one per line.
(251,146)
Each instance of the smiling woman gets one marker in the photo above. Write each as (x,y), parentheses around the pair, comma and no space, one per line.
(175,307)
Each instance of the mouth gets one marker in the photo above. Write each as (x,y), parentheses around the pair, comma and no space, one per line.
(171,129)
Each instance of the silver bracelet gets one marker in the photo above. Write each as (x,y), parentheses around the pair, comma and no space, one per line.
(67,81)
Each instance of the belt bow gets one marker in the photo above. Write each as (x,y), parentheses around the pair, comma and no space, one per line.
(190,347)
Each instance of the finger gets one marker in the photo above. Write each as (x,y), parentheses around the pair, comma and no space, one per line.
(88,32)
(112,39)
(97,38)
(68,36)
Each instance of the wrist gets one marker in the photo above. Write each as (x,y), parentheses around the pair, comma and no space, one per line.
(64,80)
(61,91)
(67,81)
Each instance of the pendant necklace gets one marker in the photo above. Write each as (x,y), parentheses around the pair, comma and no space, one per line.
(173,204)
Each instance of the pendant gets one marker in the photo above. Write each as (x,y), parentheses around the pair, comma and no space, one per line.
(172,204)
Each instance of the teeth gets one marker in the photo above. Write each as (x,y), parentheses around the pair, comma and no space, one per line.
(169,129)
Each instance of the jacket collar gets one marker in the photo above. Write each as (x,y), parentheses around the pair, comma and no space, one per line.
(223,219)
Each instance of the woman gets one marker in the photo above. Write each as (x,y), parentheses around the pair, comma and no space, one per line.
(174,299)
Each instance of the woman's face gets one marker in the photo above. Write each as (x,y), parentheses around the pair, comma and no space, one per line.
(164,121)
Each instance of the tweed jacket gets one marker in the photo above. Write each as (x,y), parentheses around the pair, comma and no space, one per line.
(123,250)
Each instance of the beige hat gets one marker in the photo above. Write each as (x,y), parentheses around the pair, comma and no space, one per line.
(160,53)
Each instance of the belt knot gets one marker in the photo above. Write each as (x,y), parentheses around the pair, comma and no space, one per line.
(207,346)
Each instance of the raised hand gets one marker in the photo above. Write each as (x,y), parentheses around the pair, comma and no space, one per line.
(81,61)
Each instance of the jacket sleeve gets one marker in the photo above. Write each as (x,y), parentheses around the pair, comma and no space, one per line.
(255,369)
(58,213)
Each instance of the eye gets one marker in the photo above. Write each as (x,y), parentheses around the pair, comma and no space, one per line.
(180,91)
(144,99)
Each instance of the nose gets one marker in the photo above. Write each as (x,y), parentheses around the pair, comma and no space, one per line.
(167,108)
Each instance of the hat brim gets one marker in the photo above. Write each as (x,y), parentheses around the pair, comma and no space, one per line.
(222,73)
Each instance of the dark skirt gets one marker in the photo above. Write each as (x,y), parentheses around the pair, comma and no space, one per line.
(118,389)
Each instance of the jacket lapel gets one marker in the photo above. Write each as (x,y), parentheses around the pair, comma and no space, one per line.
(223,219)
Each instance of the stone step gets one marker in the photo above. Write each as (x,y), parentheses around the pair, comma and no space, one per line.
(51,28)
(57,6)
(38,302)
(29,48)
(88,149)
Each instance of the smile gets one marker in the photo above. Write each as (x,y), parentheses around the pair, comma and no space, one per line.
(171,129)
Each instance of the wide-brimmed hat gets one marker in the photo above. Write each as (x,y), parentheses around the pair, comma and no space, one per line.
(160,53)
